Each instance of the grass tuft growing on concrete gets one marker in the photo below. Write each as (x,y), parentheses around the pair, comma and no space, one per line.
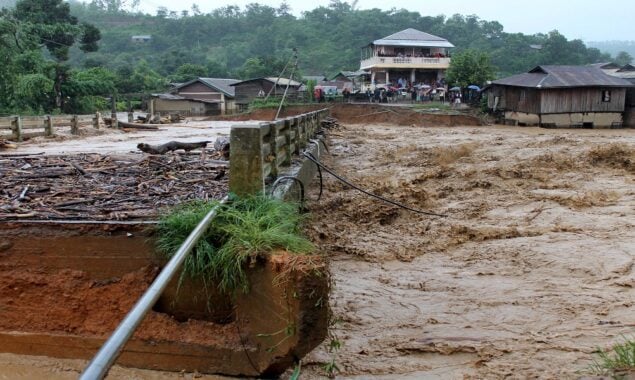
(242,231)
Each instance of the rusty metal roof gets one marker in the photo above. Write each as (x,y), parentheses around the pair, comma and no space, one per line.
(563,77)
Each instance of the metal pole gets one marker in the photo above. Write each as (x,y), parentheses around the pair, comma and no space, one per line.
(105,358)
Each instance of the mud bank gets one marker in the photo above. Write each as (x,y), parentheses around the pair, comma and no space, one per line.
(531,271)
(369,113)
(64,289)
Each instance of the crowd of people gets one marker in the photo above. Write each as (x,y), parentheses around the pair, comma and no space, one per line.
(406,90)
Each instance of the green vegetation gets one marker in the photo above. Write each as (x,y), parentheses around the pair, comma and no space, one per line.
(433,106)
(242,231)
(50,57)
(470,67)
(618,362)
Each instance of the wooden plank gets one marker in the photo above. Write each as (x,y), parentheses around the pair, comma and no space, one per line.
(33,123)
(32,119)
(39,126)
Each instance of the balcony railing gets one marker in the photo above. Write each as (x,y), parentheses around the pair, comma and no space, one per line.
(421,62)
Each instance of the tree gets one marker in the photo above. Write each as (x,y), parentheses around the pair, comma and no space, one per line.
(623,58)
(51,23)
(187,72)
(470,67)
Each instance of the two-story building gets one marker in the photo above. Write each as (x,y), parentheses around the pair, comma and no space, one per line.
(409,55)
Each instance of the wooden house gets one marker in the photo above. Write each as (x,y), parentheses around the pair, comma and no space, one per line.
(165,104)
(560,96)
(628,73)
(249,90)
(218,90)
(410,55)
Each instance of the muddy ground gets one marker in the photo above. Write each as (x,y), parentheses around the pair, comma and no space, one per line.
(530,271)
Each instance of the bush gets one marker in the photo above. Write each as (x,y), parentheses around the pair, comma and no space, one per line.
(242,231)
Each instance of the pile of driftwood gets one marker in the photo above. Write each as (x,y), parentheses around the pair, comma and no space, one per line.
(6,144)
(101,187)
(330,123)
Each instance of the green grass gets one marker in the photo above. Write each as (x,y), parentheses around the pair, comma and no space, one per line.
(242,231)
(618,362)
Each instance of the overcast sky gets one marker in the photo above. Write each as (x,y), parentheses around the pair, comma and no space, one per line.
(589,20)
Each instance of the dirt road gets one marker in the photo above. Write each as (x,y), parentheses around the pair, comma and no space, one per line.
(529,273)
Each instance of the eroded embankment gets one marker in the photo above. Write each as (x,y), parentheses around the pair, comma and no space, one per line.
(531,271)
(64,288)
(369,113)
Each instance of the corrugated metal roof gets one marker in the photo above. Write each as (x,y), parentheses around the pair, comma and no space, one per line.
(605,65)
(562,77)
(179,97)
(413,37)
(219,84)
(168,96)
(283,81)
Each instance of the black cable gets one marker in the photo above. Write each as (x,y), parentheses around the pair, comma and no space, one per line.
(242,342)
(292,178)
(321,181)
(319,164)
(317,142)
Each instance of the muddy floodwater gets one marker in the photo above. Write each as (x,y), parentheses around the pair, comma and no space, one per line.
(530,272)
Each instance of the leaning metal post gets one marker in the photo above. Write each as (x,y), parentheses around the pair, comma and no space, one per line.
(107,355)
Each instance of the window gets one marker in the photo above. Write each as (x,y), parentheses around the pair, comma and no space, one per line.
(606,96)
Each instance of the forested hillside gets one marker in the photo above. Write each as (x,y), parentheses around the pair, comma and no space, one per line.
(67,56)
(237,41)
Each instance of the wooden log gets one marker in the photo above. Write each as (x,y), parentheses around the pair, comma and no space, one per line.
(171,146)
(123,124)
(4,144)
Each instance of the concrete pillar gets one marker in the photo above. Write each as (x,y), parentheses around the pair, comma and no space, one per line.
(16,126)
(96,120)
(151,108)
(75,125)
(387,76)
(413,75)
(372,77)
(245,160)
(48,125)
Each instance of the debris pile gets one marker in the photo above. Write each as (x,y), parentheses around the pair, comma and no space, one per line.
(330,123)
(5,144)
(102,187)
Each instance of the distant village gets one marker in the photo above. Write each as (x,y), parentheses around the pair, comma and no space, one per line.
(409,67)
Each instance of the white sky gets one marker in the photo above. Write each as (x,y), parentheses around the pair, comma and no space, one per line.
(589,20)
